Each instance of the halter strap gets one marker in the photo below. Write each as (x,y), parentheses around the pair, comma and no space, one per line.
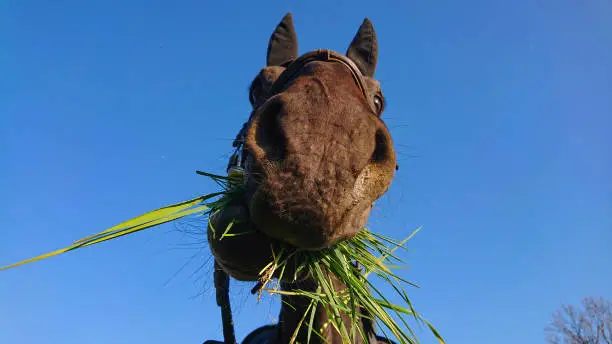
(293,67)
(223,301)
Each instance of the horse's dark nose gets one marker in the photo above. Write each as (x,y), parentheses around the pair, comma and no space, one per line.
(269,141)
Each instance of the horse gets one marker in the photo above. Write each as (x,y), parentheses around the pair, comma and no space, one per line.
(316,155)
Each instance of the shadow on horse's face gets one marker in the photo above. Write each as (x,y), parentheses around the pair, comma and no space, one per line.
(318,153)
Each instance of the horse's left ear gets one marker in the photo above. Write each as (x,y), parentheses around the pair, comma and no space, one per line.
(283,45)
(364,49)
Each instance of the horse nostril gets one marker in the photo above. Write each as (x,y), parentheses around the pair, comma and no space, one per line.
(269,135)
(381,148)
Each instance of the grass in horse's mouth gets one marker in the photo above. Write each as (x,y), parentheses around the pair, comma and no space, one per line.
(339,260)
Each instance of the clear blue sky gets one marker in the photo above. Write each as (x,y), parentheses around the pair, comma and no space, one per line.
(501,113)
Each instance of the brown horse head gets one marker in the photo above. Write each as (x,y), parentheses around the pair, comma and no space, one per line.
(318,154)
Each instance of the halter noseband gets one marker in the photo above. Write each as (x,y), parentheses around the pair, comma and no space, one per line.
(293,68)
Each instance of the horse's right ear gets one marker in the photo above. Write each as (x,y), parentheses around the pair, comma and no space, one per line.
(283,44)
(364,49)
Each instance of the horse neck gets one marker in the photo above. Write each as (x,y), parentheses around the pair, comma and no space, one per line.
(294,307)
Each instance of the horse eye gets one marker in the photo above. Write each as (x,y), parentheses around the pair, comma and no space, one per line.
(378,104)
(255,91)
(254,95)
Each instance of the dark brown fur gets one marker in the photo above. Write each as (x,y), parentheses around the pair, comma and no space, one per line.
(319,156)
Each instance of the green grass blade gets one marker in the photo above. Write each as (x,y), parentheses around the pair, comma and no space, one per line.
(152,215)
(147,220)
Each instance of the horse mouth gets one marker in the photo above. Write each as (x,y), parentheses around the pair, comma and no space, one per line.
(303,214)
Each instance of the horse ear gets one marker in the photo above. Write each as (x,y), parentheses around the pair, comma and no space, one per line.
(283,44)
(364,49)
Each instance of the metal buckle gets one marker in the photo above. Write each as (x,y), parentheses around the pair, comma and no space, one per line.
(235,171)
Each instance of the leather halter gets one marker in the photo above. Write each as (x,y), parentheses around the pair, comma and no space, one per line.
(293,68)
